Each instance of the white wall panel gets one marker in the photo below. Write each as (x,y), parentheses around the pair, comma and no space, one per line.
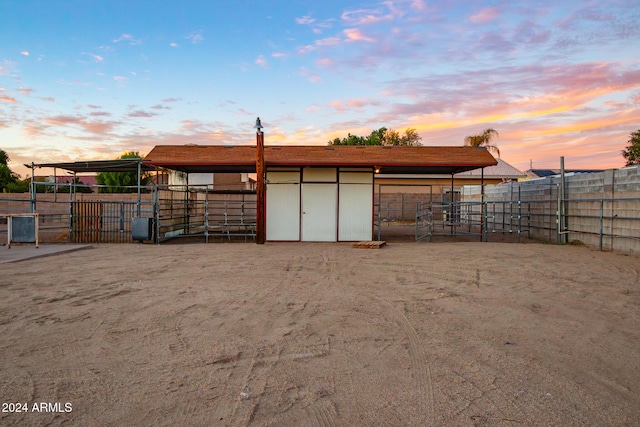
(355,217)
(283,177)
(356,177)
(319,175)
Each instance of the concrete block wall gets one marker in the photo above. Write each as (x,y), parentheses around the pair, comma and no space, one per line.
(609,200)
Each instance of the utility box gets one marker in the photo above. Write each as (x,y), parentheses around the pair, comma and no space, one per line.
(22,228)
(142,229)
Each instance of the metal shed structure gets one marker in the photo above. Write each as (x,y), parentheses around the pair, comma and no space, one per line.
(319,193)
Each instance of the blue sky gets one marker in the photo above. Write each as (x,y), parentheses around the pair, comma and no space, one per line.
(92,79)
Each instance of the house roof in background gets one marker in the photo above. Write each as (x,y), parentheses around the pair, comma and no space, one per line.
(501,170)
(394,159)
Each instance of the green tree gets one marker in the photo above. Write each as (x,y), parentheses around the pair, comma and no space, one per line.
(632,152)
(4,157)
(483,140)
(7,176)
(20,186)
(122,182)
(382,136)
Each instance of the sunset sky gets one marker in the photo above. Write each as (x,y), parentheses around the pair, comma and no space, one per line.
(90,79)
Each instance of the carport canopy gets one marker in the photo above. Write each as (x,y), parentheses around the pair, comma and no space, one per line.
(121,165)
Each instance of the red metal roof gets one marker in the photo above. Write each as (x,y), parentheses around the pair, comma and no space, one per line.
(390,159)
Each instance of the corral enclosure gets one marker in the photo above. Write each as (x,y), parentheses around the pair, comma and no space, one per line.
(107,217)
(601,210)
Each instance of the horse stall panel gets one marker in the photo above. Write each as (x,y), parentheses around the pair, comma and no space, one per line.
(101,222)
(86,218)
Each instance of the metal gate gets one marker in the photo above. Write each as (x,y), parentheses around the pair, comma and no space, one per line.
(101,221)
(448,218)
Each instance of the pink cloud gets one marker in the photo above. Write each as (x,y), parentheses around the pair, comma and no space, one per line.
(325,62)
(354,34)
(303,50)
(329,41)
(279,55)
(313,78)
(127,38)
(96,58)
(141,113)
(34,128)
(262,62)
(371,16)
(48,99)
(360,103)
(95,127)
(25,91)
(305,20)
(418,5)
(356,104)
(8,99)
(485,15)
(25,53)
(338,106)
(316,26)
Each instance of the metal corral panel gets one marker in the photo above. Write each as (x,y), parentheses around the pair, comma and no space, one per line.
(319,212)
(283,206)
(356,212)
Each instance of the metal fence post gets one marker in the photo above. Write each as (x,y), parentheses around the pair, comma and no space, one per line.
(601,221)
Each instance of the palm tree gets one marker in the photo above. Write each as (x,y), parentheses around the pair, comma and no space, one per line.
(483,140)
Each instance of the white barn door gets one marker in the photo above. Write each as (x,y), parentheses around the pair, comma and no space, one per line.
(319,212)
(355,216)
(283,206)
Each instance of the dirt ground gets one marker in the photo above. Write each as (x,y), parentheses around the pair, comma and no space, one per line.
(300,334)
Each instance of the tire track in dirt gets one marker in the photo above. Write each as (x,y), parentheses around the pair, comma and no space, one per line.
(486,395)
(322,412)
(384,412)
(255,382)
(419,363)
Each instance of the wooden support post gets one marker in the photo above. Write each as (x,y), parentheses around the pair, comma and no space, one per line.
(261,217)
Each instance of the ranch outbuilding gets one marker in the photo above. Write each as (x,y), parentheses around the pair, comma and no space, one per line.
(319,193)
